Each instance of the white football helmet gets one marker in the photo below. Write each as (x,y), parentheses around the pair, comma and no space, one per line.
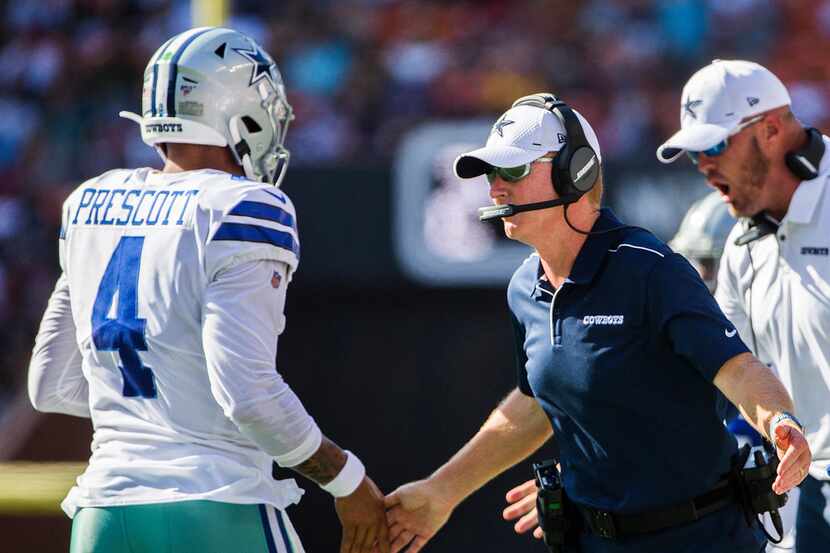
(702,236)
(217,87)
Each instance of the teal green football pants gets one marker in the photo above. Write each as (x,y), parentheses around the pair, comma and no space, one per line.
(183,527)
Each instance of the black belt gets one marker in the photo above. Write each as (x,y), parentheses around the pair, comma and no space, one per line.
(611,525)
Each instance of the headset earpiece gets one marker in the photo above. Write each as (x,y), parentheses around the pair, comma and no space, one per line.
(576,168)
(804,163)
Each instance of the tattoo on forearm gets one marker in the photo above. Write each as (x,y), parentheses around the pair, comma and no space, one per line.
(325,464)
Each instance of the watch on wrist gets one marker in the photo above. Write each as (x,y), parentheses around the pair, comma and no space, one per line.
(780,418)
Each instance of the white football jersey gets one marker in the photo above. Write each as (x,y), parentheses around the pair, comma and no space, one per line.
(174,370)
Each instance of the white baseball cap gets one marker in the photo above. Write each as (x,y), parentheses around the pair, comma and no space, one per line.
(717,99)
(521,135)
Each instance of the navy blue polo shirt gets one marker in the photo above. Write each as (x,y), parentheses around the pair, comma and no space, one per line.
(622,357)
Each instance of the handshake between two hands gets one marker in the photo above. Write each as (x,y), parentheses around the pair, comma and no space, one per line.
(410,516)
(406,518)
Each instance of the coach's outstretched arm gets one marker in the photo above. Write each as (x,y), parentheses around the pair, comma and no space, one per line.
(416,511)
(765,403)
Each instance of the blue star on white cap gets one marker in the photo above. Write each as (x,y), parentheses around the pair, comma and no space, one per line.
(689,107)
(262,65)
(500,124)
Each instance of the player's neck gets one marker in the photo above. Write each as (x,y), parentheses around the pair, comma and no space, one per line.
(191,157)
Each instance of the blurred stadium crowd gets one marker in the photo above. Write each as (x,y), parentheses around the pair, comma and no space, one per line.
(359,74)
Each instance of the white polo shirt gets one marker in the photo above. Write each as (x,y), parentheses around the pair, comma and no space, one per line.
(776,291)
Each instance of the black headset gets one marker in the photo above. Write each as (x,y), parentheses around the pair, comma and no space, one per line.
(576,168)
(804,164)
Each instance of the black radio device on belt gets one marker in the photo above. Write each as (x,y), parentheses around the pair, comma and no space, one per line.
(753,490)
(550,505)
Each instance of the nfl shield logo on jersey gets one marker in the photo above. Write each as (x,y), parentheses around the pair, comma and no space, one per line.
(275,280)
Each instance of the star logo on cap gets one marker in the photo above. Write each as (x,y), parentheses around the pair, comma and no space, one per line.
(262,65)
(690,105)
(500,124)
(752,100)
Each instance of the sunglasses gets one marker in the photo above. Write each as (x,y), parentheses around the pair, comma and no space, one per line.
(721,146)
(514,174)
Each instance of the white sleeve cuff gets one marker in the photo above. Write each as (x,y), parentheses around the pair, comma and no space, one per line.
(302,452)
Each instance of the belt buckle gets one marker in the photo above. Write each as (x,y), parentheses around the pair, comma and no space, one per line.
(602,523)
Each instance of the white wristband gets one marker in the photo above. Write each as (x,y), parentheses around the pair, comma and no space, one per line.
(349,477)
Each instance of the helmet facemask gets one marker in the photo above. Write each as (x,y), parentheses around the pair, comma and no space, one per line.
(260,161)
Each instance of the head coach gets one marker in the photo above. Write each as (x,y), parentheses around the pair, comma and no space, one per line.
(774,277)
(620,350)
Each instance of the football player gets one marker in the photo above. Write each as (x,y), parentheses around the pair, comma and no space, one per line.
(163,326)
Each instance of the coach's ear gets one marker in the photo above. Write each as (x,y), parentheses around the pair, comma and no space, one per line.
(769,133)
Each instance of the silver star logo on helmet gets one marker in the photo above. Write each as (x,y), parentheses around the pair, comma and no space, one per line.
(262,65)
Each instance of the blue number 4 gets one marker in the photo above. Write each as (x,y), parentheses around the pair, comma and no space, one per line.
(125,333)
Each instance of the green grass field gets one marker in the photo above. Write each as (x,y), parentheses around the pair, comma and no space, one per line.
(28,488)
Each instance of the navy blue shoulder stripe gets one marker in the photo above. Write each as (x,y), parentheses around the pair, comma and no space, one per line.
(241,232)
(174,71)
(260,210)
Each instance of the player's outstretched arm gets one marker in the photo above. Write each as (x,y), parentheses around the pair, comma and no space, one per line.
(243,312)
(416,511)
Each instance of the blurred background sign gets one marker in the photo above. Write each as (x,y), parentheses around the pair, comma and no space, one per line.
(438,237)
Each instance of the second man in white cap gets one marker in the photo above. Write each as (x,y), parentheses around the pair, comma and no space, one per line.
(774,278)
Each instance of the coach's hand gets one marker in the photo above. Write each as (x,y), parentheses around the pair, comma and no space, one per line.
(363,517)
(795,456)
(415,513)
(522,501)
